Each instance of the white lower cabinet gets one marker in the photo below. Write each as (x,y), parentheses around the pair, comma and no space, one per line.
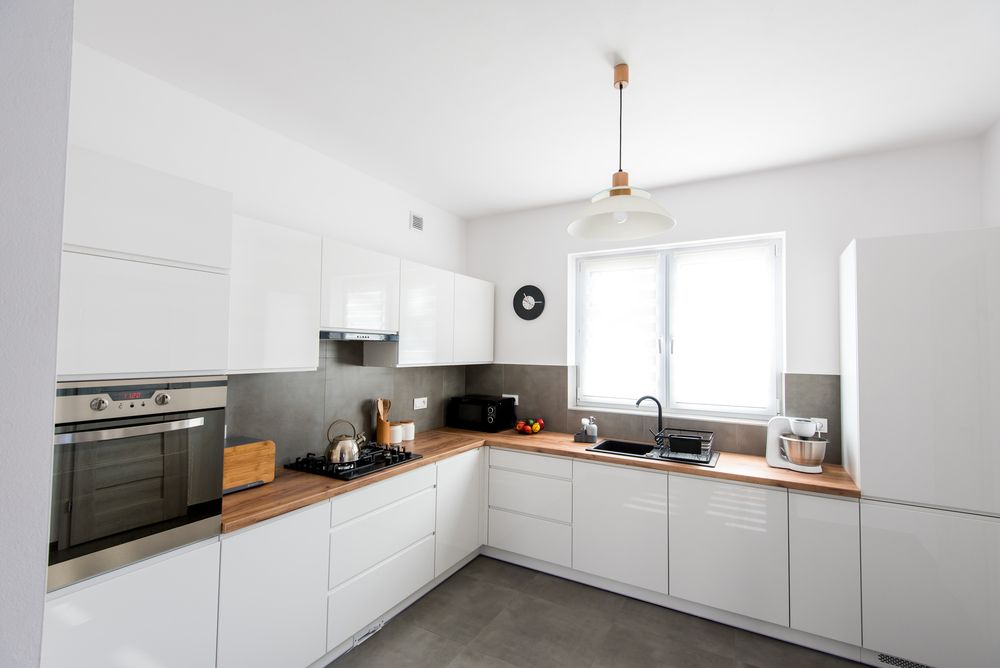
(272,595)
(824,554)
(363,598)
(620,524)
(459,498)
(531,537)
(161,614)
(381,550)
(931,582)
(729,546)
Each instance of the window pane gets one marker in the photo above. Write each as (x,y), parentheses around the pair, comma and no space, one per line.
(723,329)
(619,327)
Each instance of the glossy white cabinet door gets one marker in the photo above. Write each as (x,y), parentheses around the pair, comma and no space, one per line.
(824,551)
(426,315)
(124,317)
(473,320)
(459,493)
(531,536)
(272,597)
(119,206)
(273,298)
(360,289)
(729,546)
(931,582)
(529,494)
(161,614)
(361,600)
(928,332)
(620,524)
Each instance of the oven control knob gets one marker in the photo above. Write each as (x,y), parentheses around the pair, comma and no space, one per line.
(162,399)
(99,404)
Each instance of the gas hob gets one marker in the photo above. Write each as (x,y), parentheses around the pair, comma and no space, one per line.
(371,460)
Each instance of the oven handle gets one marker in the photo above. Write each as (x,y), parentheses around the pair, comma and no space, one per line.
(126,432)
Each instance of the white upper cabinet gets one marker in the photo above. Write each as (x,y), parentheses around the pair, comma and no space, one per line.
(120,317)
(921,358)
(161,613)
(729,546)
(473,320)
(360,289)
(824,550)
(620,524)
(426,315)
(273,298)
(120,207)
(931,582)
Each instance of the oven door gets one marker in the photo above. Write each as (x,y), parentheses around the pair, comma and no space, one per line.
(124,490)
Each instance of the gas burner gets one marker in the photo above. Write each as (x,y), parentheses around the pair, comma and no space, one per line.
(370,460)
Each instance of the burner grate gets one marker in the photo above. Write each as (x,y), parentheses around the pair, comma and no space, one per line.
(370,460)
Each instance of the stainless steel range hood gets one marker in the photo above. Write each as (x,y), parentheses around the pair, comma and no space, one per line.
(344,335)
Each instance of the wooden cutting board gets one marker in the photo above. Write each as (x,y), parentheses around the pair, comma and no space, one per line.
(246,463)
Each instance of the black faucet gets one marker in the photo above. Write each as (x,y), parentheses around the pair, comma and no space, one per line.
(658,436)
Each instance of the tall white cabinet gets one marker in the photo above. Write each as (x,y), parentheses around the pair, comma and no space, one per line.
(274,298)
(459,503)
(473,320)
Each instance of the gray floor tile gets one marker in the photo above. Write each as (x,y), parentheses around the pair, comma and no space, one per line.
(761,652)
(460,607)
(633,647)
(696,632)
(470,659)
(401,645)
(588,604)
(534,632)
(498,572)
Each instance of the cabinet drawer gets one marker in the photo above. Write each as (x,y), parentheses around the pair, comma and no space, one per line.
(531,494)
(559,467)
(357,602)
(357,503)
(531,537)
(361,543)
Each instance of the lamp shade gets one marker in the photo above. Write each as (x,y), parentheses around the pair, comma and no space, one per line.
(617,217)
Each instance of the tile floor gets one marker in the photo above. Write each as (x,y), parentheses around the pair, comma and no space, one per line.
(492,614)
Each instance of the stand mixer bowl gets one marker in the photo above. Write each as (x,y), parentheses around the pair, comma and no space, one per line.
(803,451)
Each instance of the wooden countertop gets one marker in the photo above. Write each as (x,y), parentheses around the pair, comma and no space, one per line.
(292,489)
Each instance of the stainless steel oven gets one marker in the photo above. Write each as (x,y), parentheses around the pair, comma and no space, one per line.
(137,471)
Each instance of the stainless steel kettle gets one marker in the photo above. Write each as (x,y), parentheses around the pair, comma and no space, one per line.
(343,448)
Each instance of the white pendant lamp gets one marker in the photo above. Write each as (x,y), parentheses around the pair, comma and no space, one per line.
(621,212)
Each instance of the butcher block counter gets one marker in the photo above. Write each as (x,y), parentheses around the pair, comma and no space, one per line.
(292,489)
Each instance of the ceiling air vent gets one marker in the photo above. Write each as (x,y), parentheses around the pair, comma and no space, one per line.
(416,222)
(890,660)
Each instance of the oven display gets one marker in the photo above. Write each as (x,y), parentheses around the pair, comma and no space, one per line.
(130,395)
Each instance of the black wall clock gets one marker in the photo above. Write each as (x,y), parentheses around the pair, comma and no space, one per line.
(529,302)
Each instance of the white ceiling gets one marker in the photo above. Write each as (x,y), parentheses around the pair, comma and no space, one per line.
(481,106)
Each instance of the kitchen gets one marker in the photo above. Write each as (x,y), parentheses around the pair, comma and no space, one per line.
(228,240)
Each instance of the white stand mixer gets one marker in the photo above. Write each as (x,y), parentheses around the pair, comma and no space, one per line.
(781,425)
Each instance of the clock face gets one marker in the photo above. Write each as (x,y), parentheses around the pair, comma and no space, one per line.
(529,302)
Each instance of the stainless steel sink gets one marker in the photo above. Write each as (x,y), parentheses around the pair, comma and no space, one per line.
(648,451)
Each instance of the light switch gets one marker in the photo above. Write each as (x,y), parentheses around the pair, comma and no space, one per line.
(419,403)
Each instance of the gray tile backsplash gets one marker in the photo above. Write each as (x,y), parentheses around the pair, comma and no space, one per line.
(294,409)
(542,392)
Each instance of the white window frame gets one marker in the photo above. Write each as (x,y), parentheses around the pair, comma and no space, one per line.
(666,252)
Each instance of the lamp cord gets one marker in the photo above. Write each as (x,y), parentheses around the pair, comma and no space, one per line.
(620,92)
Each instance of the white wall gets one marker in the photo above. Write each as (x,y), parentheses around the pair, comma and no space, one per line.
(820,207)
(35,40)
(121,111)
(991,175)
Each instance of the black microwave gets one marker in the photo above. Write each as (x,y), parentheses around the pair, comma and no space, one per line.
(481,412)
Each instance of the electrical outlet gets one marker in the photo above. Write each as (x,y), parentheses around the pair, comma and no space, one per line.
(419,403)
(823,424)
(511,395)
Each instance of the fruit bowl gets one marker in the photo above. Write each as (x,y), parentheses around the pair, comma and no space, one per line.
(529,426)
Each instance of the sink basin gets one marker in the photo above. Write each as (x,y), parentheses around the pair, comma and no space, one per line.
(648,451)
(624,448)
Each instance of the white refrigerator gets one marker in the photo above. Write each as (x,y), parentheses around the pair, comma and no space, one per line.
(920,386)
